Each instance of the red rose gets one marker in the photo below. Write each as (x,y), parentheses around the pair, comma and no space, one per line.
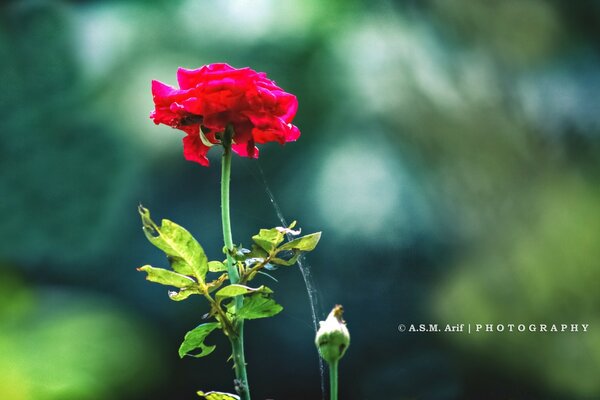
(215,95)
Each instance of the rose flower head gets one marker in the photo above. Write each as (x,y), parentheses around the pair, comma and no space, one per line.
(217,96)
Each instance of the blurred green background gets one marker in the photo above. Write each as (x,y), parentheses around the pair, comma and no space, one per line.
(450,153)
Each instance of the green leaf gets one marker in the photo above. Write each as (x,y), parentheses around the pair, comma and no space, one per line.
(166,277)
(183,294)
(194,339)
(218,396)
(268,239)
(287,263)
(183,251)
(258,305)
(257,252)
(304,243)
(216,266)
(214,285)
(237,290)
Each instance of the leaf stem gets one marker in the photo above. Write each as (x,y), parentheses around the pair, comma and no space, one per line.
(237,339)
(222,317)
(248,273)
(333,381)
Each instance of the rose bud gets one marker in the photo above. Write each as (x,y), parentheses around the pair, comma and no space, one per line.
(333,337)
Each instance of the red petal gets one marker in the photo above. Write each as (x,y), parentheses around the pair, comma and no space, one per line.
(189,78)
(194,150)
(163,94)
(292,134)
(216,122)
(287,105)
(245,149)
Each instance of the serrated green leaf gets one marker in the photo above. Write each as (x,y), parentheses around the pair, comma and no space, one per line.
(183,251)
(258,305)
(237,290)
(216,266)
(194,339)
(218,396)
(304,243)
(268,239)
(166,277)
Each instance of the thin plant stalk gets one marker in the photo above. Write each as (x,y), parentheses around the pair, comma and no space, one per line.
(333,381)
(237,338)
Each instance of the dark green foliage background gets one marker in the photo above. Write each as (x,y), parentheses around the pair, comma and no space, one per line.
(449,153)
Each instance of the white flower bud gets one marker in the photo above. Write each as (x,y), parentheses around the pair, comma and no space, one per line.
(333,337)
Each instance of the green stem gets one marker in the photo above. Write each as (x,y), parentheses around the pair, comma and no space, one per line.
(237,339)
(225,217)
(333,380)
